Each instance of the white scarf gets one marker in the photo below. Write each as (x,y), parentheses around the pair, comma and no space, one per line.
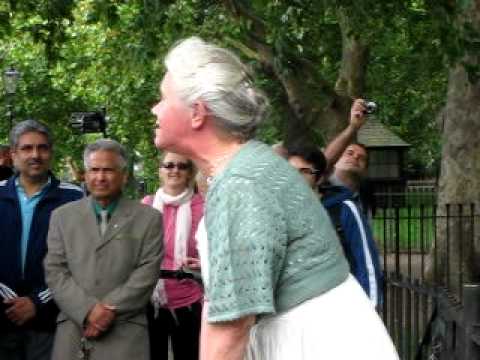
(202,248)
(183,226)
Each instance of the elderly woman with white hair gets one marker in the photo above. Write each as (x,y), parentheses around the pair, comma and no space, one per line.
(276,283)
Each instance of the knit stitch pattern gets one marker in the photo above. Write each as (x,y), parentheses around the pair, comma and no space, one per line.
(271,243)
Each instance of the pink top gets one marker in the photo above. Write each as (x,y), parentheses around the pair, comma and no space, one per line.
(180,293)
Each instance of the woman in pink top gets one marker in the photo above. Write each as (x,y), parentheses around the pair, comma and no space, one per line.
(175,308)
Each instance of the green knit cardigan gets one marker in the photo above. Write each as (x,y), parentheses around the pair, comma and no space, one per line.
(271,244)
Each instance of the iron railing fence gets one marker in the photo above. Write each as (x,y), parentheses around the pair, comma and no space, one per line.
(428,253)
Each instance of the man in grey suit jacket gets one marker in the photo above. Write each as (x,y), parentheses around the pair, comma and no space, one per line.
(102,263)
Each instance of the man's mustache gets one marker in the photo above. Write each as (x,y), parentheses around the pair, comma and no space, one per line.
(35,162)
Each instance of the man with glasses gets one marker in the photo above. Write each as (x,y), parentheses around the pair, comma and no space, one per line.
(315,165)
(27,311)
(309,161)
(341,197)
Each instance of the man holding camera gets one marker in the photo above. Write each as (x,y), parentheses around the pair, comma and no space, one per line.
(350,219)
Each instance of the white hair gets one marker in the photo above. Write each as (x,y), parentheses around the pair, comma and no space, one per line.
(203,71)
(106,145)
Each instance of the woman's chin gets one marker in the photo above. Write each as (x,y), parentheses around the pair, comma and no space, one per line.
(174,188)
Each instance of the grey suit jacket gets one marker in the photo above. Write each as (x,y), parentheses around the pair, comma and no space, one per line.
(120,268)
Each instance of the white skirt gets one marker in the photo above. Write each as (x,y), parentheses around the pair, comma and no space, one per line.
(339,325)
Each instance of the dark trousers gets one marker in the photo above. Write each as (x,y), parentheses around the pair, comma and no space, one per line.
(181,325)
(26,345)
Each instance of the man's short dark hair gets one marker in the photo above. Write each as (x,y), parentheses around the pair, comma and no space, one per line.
(310,153)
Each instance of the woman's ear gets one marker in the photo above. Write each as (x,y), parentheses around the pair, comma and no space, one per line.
(200,114)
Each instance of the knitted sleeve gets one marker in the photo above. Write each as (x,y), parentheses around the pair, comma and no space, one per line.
(247,244)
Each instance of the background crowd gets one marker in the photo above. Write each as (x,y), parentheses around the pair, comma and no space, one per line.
(104,276)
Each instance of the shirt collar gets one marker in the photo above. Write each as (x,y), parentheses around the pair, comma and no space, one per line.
(41,191)
(110,208)
(334,180)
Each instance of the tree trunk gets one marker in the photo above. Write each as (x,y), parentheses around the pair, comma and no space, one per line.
(351,80)
(458,231)
(314,105)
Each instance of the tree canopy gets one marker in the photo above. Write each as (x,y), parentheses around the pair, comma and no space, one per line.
(310,57)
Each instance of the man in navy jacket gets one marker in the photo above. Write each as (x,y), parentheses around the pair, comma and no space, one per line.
(27,311)
(350,219)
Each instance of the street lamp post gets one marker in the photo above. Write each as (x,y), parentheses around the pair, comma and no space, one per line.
(10,80)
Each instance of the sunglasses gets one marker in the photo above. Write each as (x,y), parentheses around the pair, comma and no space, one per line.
(180,166)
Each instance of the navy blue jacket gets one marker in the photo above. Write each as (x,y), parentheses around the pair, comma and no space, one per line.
(32,283)
(357,240)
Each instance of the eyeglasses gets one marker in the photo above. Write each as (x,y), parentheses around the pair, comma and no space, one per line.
(180,166)
(32,147)
(308,171)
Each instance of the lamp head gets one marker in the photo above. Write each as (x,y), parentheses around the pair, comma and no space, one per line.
(10,80)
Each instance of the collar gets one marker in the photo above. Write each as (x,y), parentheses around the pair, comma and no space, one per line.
(248,147)
(42,190)
(335,194)
(335,181)
(97,208)
(9,191)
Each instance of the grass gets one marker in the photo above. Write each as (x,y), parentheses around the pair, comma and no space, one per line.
(411,225)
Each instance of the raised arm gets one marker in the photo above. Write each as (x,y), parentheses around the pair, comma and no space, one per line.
(337,146)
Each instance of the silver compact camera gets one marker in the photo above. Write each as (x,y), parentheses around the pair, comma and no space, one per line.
(370,107)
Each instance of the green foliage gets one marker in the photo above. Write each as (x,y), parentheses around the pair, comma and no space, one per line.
(411,228)
(86,54)
(408,78)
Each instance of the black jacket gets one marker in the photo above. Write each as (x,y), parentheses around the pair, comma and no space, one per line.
(32,282)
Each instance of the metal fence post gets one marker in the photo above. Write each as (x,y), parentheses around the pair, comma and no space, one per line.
(471,316)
